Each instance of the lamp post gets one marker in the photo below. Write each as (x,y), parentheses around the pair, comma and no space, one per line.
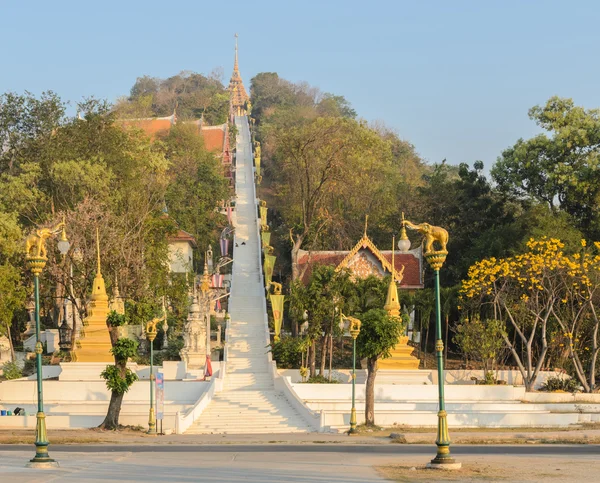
(436,259)
(36,259)
(151,335)
(354,330)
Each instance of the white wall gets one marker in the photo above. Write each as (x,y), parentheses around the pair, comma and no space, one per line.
(180,256)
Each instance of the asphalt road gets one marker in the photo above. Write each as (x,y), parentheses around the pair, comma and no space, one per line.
(400,449)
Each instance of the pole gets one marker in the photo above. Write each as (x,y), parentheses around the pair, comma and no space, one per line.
(443,438)
(41,438)
(353,411)
(152,417)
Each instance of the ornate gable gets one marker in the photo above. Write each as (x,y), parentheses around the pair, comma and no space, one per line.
(362,266)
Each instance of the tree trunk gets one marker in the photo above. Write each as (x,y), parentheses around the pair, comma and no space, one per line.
(313,359)
(295,250)
(330,355)
(10,342)
(370,392)
(111,421)
(324,344)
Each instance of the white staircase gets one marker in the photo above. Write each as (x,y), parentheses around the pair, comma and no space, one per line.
(248,402)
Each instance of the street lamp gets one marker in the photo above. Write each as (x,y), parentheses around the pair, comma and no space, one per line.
(36,258)
(354,329)
(304,325)
(64,336)
(151,335)
(436,259)
(403,242)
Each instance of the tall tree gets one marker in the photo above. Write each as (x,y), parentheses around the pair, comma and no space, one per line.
(323,164)
(561,170)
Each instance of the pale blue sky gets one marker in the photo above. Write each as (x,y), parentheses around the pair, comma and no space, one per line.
(455,78)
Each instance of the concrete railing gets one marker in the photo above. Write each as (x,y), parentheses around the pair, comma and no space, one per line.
(185,420)
(315,419)
(259,261)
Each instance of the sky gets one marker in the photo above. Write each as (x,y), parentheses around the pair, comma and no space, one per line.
(455,78)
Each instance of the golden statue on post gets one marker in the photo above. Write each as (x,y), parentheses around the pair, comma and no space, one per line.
(35,244)
(431,233)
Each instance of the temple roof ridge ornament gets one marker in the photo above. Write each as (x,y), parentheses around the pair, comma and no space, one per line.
(364,243)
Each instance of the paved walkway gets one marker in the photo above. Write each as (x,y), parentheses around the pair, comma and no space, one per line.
(248,402)
(299,465)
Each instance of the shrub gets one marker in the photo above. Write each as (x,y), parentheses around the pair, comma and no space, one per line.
(11,370)
(321,380)
(560,383)
(288,352)
(29,367)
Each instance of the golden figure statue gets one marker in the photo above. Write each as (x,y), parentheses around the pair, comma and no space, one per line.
(35,244)
(276,288)
(432,234)
(151,330)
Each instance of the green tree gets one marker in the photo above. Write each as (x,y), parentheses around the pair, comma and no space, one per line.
(323,299)
(561,171)
(326,167)
(118,377)
(481,340)
(197,185)
(379,333)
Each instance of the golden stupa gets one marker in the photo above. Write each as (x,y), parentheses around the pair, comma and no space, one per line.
(400,356)
(94,340)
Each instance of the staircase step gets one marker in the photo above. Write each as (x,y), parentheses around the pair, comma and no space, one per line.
(248,402)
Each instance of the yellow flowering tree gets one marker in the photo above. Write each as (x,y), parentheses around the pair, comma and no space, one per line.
(528,292)
(577,316)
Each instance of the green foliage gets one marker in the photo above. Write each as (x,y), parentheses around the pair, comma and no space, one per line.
(11,370)
(141,311)
(29,367)
(369,293)
(560,383)
(561,171)
(124,348)
(117,380)
(288,352)
(319,379)
(197,184)
(195,95)
(481,341)
(379,333)
(115,319)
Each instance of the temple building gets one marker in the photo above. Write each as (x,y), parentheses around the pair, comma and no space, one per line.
(239,99)
(366,259)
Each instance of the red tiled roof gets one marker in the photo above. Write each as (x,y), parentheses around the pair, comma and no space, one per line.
(411,261)
(183,236)
(214,138)
(152,127)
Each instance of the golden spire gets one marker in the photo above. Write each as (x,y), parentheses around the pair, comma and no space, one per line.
(366,225)
(205,285)
(235,64)
(392,306)
(99,272)
(99,290)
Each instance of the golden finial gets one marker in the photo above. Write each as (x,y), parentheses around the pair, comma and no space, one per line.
(235,65)
(366,225)
(205,285)
(392,305)
(98,249)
